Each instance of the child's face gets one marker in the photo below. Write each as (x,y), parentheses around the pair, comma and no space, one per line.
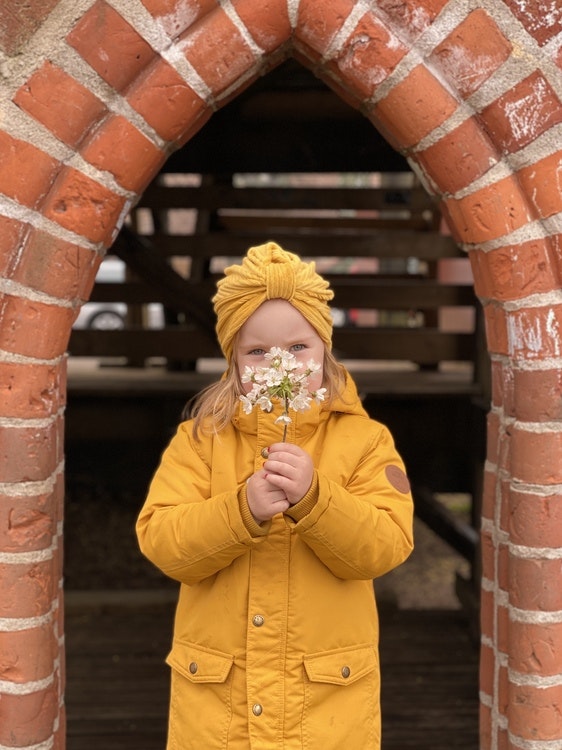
(277,323)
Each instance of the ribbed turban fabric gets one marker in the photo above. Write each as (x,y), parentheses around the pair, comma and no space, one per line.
(269,272)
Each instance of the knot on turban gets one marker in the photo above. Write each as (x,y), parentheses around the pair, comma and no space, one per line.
(269,272)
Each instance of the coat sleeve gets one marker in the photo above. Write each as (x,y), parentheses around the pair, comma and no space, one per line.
(182,529)
(365,528)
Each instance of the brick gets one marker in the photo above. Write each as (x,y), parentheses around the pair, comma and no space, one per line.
(531,584)
(503,631)
(19,21)
(487,613)
(537,456)
(32,391)
(535,713)
(485,722)
(496,329)
(472,52)
(541,18)
(503,691)
(60,103)
(468,148)
(542,182)
(502,386)
(34,329)
(535,520)
(556,240)
(110,45)
(27,720)
(218,51)
(535,333)
(502,573)
(30,454)
(489,495)
(28,590)
(504,505)
(119,148)
(28,523)
(537,395)
(167,103)
(267,21)
(175,17)
(487,670)
(527,110)
(413,16)
(413,108)
(85,207)
(536,648)
(27,172)
(28,655)
(56,267)
(367,57)
(514,271)
(488,555)
(317,26)
(492,444)
(489,213)
(12,236)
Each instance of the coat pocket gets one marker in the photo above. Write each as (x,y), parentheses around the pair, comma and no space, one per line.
(341,699)
(201,697)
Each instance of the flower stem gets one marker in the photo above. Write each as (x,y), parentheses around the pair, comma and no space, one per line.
(286,413)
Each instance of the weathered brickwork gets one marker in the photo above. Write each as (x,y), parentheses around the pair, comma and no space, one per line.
(95,94)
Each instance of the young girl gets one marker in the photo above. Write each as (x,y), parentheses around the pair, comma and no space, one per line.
(276,542)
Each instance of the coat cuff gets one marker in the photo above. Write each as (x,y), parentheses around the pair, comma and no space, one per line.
(252,526)
(301,509)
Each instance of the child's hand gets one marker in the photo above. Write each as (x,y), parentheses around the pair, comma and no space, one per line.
(290,469)
(265,499)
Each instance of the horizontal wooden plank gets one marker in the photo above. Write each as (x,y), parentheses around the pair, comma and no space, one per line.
(220,196)
(424,346)
(273,222)
(156,383)
(382,243)
(181,344)
(355,291)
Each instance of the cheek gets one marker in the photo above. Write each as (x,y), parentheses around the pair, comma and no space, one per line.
(315,381)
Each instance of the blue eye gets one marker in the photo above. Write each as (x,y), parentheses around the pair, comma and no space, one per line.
(298,347)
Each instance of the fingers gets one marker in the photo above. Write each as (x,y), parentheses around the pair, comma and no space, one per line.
(265,500)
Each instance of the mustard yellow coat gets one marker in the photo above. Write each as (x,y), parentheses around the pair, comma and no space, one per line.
(276,634)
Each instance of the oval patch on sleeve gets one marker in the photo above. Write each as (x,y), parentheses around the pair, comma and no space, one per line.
(398,479)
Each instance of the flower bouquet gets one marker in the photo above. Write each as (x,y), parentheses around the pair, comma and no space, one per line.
(285,380)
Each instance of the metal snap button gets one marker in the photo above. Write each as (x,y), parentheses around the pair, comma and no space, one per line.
(257,709)
(345,672)
(193,667)
(258,620)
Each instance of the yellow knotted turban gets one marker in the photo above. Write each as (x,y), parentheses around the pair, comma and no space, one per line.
(269,272)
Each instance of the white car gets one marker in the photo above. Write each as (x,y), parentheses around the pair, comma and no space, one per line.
(110,316)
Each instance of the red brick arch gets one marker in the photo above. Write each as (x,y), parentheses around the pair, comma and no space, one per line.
(94,100)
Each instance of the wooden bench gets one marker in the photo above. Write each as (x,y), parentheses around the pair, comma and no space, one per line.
(409,325)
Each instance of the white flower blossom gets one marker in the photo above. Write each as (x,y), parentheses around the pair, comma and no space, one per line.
(285,380)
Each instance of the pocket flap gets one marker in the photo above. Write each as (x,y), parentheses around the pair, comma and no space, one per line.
(198,663)
(341,667)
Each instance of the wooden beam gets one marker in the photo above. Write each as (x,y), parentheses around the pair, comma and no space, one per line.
(221,196)
(379,243)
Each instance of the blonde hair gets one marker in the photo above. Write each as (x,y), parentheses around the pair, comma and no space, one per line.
(214,407)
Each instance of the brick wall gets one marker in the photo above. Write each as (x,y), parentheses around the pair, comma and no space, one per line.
(93,100)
